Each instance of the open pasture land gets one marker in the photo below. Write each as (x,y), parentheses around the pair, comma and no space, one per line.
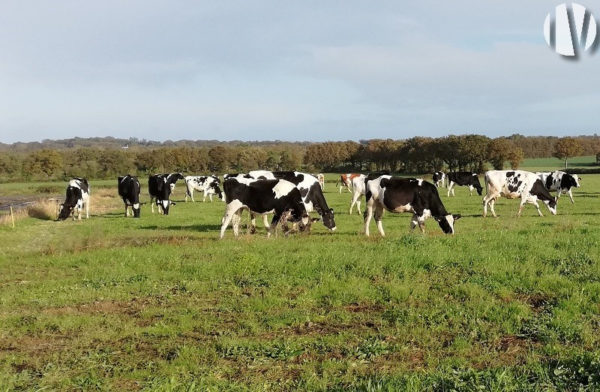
(159,303)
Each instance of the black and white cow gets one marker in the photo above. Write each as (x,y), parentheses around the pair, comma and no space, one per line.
(209,185)
(514,184)
(560,182)
(278,197)
(439,179)
(160,187)
(310,189)
(129,190)
(406,195)
(469,179)
(77,197)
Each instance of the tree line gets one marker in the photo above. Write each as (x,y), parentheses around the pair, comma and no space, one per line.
(416,155)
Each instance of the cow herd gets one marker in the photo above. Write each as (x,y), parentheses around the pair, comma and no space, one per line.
(290,196)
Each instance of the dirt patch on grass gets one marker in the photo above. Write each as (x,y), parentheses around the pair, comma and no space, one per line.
(104,307)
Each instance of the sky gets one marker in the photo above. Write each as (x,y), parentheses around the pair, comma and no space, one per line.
(288,70)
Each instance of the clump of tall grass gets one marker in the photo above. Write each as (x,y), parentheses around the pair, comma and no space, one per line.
(42,209)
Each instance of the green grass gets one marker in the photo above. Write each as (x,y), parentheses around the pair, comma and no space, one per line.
(160,303)
(548,164)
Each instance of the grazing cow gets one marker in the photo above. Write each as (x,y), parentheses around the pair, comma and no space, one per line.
(439,179)
(312,195)
(406,195)
(560,182)
(346,181)
(77,197)
(358,189)
(160,187)
(129,190)
(513,184)
(469,179)
(209,185)
(279,197)
(321,178)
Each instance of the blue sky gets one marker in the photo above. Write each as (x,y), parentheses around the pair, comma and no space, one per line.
(288,70)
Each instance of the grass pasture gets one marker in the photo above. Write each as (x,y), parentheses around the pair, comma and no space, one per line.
(159,303)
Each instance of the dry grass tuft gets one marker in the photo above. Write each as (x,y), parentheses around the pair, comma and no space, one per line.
(43,209)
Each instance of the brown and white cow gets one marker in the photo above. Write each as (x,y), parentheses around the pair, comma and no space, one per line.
(346,181)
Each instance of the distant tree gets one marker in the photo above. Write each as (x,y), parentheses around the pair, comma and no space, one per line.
(499,151)
(567,147)
(516,157)
(43,162)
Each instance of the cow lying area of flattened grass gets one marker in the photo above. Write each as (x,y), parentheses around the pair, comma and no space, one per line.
(159,303)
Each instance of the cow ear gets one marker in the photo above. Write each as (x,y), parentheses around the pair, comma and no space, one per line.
(315,219)
(456,216)
(331,210)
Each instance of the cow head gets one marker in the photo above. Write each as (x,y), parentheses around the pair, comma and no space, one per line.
(328,220)
(477,184)
(164,205)
(64,211)
(136,210)
(215,186)
(447,222)
(576,180)
(552,204)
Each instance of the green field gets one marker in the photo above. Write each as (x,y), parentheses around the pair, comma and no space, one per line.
(547,164)
(160,303)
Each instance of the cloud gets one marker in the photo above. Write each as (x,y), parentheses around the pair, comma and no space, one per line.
(286,70)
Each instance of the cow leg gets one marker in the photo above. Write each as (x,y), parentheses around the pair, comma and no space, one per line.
(151,204)
(492,204)
(126,211)
(450,185)
(354,199)
(87,209)
(471,190)
(358,206)
(273,226)
(414,221)
(235,222)
(537,206)
(204,198)
(230,210)
(378,219)
(368,215)
(571,196)
(485,205)
(252,228)
(210,197)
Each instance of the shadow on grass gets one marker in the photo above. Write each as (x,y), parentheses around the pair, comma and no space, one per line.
(197,227)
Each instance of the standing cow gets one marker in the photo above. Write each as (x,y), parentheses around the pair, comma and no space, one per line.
(160,187)
(77,198)
(129,190)
(278,197)
(514,184)
(346,181)
(469,179)
(208,185)
(417,196)
(439,179)
(560,182)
